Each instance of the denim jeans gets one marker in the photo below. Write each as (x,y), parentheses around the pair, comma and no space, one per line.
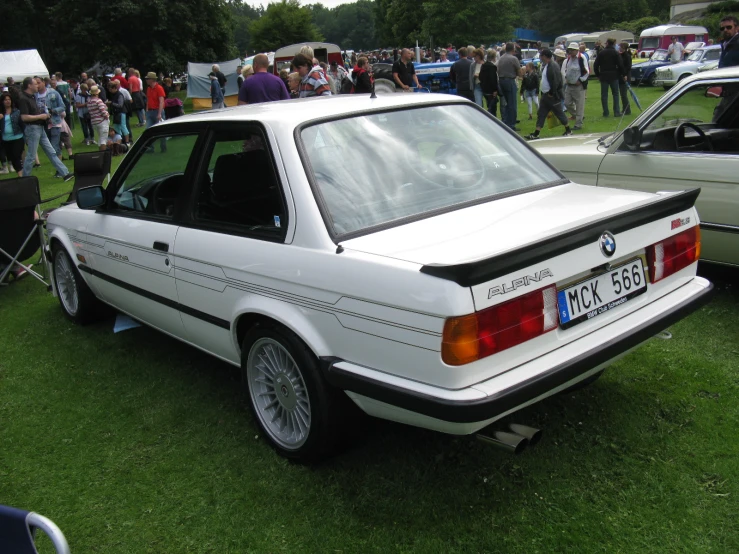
(151,120)
(86,124)
(478,95)
(532,98)
(509,113)
(624,95)
(54,138)
(122,128)
(604,87)
(35,135)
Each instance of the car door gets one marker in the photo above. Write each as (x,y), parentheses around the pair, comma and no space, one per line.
(232,235)
(659,165)
(131,262)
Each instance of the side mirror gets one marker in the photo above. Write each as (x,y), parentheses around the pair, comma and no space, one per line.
(632,138)
(90,198)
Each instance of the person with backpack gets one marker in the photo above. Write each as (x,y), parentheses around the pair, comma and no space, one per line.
(575,72)
(361,79)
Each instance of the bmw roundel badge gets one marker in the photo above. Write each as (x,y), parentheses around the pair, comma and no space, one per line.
(607,244)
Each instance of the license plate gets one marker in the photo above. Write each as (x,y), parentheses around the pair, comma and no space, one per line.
(595,296)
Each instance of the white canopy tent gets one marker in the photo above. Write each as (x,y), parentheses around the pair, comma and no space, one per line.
(20,64)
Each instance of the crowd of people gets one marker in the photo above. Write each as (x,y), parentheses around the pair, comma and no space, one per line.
(37,113)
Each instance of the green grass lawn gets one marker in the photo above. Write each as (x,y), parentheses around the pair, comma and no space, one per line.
(134,442)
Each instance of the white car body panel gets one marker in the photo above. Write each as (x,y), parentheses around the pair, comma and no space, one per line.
(363,304)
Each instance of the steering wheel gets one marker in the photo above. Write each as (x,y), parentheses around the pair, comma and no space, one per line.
(454,165)
(680,137)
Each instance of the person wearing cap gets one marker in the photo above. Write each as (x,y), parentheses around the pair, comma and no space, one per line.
(99,117)
(675,51)
(575,72)
(609,68)
(551,94)
(216,92)
(154,100)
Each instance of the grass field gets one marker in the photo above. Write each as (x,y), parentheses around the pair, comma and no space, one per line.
(134,443)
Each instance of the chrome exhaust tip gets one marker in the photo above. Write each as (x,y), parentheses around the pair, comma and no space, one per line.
(510,442)
(533,435)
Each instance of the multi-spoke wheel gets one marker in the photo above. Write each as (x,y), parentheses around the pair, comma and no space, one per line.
(279,393)
(297,411)
(77,300)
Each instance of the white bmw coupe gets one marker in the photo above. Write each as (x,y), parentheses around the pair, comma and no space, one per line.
(407,252)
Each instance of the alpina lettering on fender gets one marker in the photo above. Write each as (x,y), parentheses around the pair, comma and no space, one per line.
(524,281)
(117,256)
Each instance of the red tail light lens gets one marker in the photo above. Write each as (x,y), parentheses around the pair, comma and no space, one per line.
(475,336)
(673,254)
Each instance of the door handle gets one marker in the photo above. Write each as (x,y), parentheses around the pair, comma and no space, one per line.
(161,246)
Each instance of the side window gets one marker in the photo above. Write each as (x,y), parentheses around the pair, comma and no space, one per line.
(155,179)
(240,189)
(711,109)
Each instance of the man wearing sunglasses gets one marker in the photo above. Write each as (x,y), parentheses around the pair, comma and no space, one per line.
(729,27)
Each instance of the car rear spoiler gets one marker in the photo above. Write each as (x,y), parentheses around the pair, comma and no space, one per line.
(468,274)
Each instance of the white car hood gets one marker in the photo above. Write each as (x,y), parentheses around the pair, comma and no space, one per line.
(498,226)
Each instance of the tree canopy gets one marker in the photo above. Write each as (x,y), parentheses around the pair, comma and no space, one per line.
(283,23)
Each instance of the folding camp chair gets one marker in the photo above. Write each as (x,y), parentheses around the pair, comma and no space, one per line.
(90,169)
(21,231)
(18,528)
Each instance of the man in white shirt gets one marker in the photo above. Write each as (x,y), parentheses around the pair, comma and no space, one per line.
(675,51)
(575,73)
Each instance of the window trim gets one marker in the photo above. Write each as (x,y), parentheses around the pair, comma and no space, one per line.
(150,135)
(189,218)
(325,212)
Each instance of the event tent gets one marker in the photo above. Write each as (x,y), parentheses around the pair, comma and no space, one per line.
(198,83)
(20,64)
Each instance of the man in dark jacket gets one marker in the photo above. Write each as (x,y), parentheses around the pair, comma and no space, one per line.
(609,67)
(625,54)
(489,81)
(551,94)
(729,27)
(361,77)
(460,74)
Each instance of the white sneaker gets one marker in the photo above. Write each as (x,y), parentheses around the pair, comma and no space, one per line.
(4,171)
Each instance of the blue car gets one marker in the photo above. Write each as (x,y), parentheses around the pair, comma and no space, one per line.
(644,73)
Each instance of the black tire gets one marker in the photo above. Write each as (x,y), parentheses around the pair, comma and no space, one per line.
(652,78)
(87,307)
(327,406)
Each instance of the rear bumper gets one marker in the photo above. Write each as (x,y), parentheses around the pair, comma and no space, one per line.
(522,386)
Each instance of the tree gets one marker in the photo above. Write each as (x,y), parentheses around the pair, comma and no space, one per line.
(153,36)
(405,20)
(351,26)
(461,22)
(243,15)
(282,24)
(638,25)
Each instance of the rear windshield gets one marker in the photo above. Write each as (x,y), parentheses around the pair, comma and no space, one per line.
(373,169)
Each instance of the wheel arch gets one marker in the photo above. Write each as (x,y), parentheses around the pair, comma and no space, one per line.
(61,240)
(263,310)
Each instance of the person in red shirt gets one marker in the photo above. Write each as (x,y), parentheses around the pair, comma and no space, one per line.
(154,104)
(137,96)
(118,76)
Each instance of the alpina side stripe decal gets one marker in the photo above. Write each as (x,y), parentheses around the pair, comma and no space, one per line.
(208,318)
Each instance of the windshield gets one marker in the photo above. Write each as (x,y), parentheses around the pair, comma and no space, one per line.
(659,56)
(696,56)
(376,168)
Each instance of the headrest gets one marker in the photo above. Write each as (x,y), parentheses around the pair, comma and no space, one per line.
(21,192)
(237,176)
(92,163)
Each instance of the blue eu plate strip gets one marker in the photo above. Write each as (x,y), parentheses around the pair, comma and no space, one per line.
(564,313)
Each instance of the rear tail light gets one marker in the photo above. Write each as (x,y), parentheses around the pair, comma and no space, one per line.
(475,336)
(673,254)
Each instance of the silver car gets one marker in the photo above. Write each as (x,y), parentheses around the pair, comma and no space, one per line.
(688,138)
(668,75)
